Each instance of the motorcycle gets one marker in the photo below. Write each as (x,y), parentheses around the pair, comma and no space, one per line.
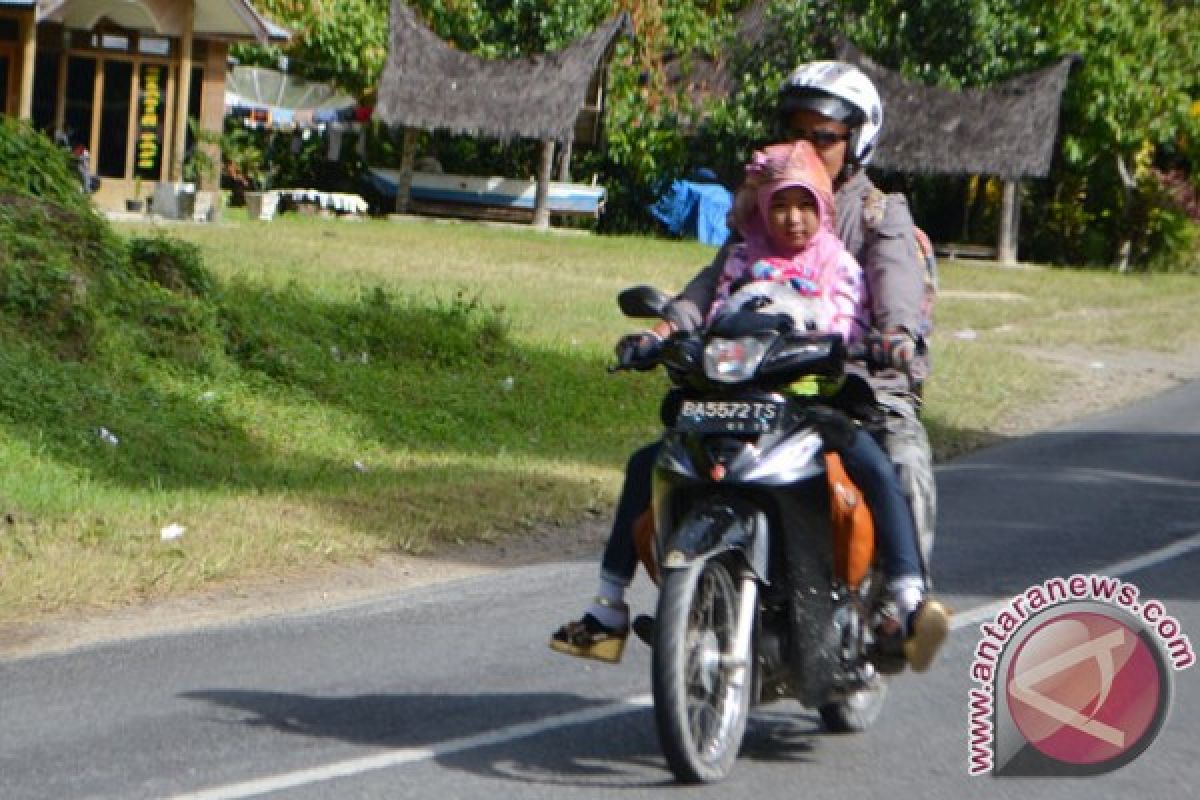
(757,601)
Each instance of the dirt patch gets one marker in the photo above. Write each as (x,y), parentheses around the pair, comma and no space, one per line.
(1097,380)
(1100,380)
(321,589)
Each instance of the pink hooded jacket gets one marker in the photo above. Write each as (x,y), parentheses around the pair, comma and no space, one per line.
(824,268)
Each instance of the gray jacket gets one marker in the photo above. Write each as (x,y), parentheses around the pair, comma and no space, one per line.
(877,229)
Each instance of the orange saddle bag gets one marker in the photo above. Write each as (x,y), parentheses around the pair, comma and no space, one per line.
(853,529)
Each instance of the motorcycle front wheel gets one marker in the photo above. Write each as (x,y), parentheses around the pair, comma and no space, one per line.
(701,698)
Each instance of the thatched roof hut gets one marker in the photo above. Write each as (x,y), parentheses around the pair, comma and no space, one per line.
(1008,130)
(429,85)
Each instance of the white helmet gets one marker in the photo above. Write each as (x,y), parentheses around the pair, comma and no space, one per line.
(839,91)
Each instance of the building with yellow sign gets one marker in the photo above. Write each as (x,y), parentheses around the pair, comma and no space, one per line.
(121,77)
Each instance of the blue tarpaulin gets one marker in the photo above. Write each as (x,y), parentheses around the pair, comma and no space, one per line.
(688,208)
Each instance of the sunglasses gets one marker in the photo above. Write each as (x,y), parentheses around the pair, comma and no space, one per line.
(820,138)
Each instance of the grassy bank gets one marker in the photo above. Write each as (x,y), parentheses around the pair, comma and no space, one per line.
(385,386)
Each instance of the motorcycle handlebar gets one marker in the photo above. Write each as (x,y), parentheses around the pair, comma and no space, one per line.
(627,360)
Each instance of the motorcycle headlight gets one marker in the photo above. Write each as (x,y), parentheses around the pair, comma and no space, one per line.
(733,360)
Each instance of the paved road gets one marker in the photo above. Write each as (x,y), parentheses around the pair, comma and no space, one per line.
(450,692)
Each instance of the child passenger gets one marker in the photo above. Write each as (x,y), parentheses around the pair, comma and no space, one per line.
(784,212)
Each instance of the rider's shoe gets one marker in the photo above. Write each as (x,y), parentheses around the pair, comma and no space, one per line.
(589,638)
(913,642)
(887,654)
(927,629)
(643,628)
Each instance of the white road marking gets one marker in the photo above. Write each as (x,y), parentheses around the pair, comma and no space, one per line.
(412,755)
(976,616)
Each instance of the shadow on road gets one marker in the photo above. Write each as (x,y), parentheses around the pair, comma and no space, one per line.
(1065,502)
(530,738)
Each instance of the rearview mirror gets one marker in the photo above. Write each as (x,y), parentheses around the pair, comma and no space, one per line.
(643,302)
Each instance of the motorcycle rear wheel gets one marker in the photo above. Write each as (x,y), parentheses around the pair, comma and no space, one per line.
(857,711)
(699,711)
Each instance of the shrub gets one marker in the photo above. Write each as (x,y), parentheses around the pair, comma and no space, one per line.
(172,264)
(50,259)
(33,166)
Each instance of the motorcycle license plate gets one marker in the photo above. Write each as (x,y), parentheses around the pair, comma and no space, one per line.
(729,416)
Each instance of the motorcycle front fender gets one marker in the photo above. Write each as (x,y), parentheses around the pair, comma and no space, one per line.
(711,529)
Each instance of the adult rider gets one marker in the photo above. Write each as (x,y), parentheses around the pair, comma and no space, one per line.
(836,107)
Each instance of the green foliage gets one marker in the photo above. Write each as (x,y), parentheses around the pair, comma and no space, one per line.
(202,165)
(1132,90)
(508,28)
(54,252)
(264,335)
(43,285)
(952,43)
(344,42)
(67,281)
(1164,236)
(172,264)
(290,449)
(244,154)
(795,31)
(33,166)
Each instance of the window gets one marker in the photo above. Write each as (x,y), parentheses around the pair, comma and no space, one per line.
(154,45)
(81,86)
(112,41)
(114,119)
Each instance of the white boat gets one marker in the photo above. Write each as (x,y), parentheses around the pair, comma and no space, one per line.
(494,192)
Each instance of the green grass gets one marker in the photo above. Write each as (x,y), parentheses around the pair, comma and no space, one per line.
(393,386)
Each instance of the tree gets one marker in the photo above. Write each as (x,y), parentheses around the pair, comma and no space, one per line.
(1128,101)
(343,42)
(1128,107)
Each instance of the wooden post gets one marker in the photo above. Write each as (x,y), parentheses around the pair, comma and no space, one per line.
(212,109)
(408,154)
(1006,243)
(564,161)
(28,64)
(541,205)
(184,91)
(60,93)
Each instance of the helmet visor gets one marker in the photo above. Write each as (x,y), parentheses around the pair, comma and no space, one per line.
(824,104)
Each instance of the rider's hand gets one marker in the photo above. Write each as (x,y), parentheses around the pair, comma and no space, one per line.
(896,349)
(639,350)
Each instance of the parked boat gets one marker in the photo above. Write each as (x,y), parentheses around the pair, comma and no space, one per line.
(494,192)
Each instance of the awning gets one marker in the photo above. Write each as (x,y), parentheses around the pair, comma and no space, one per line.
(216,19)
(280,99)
